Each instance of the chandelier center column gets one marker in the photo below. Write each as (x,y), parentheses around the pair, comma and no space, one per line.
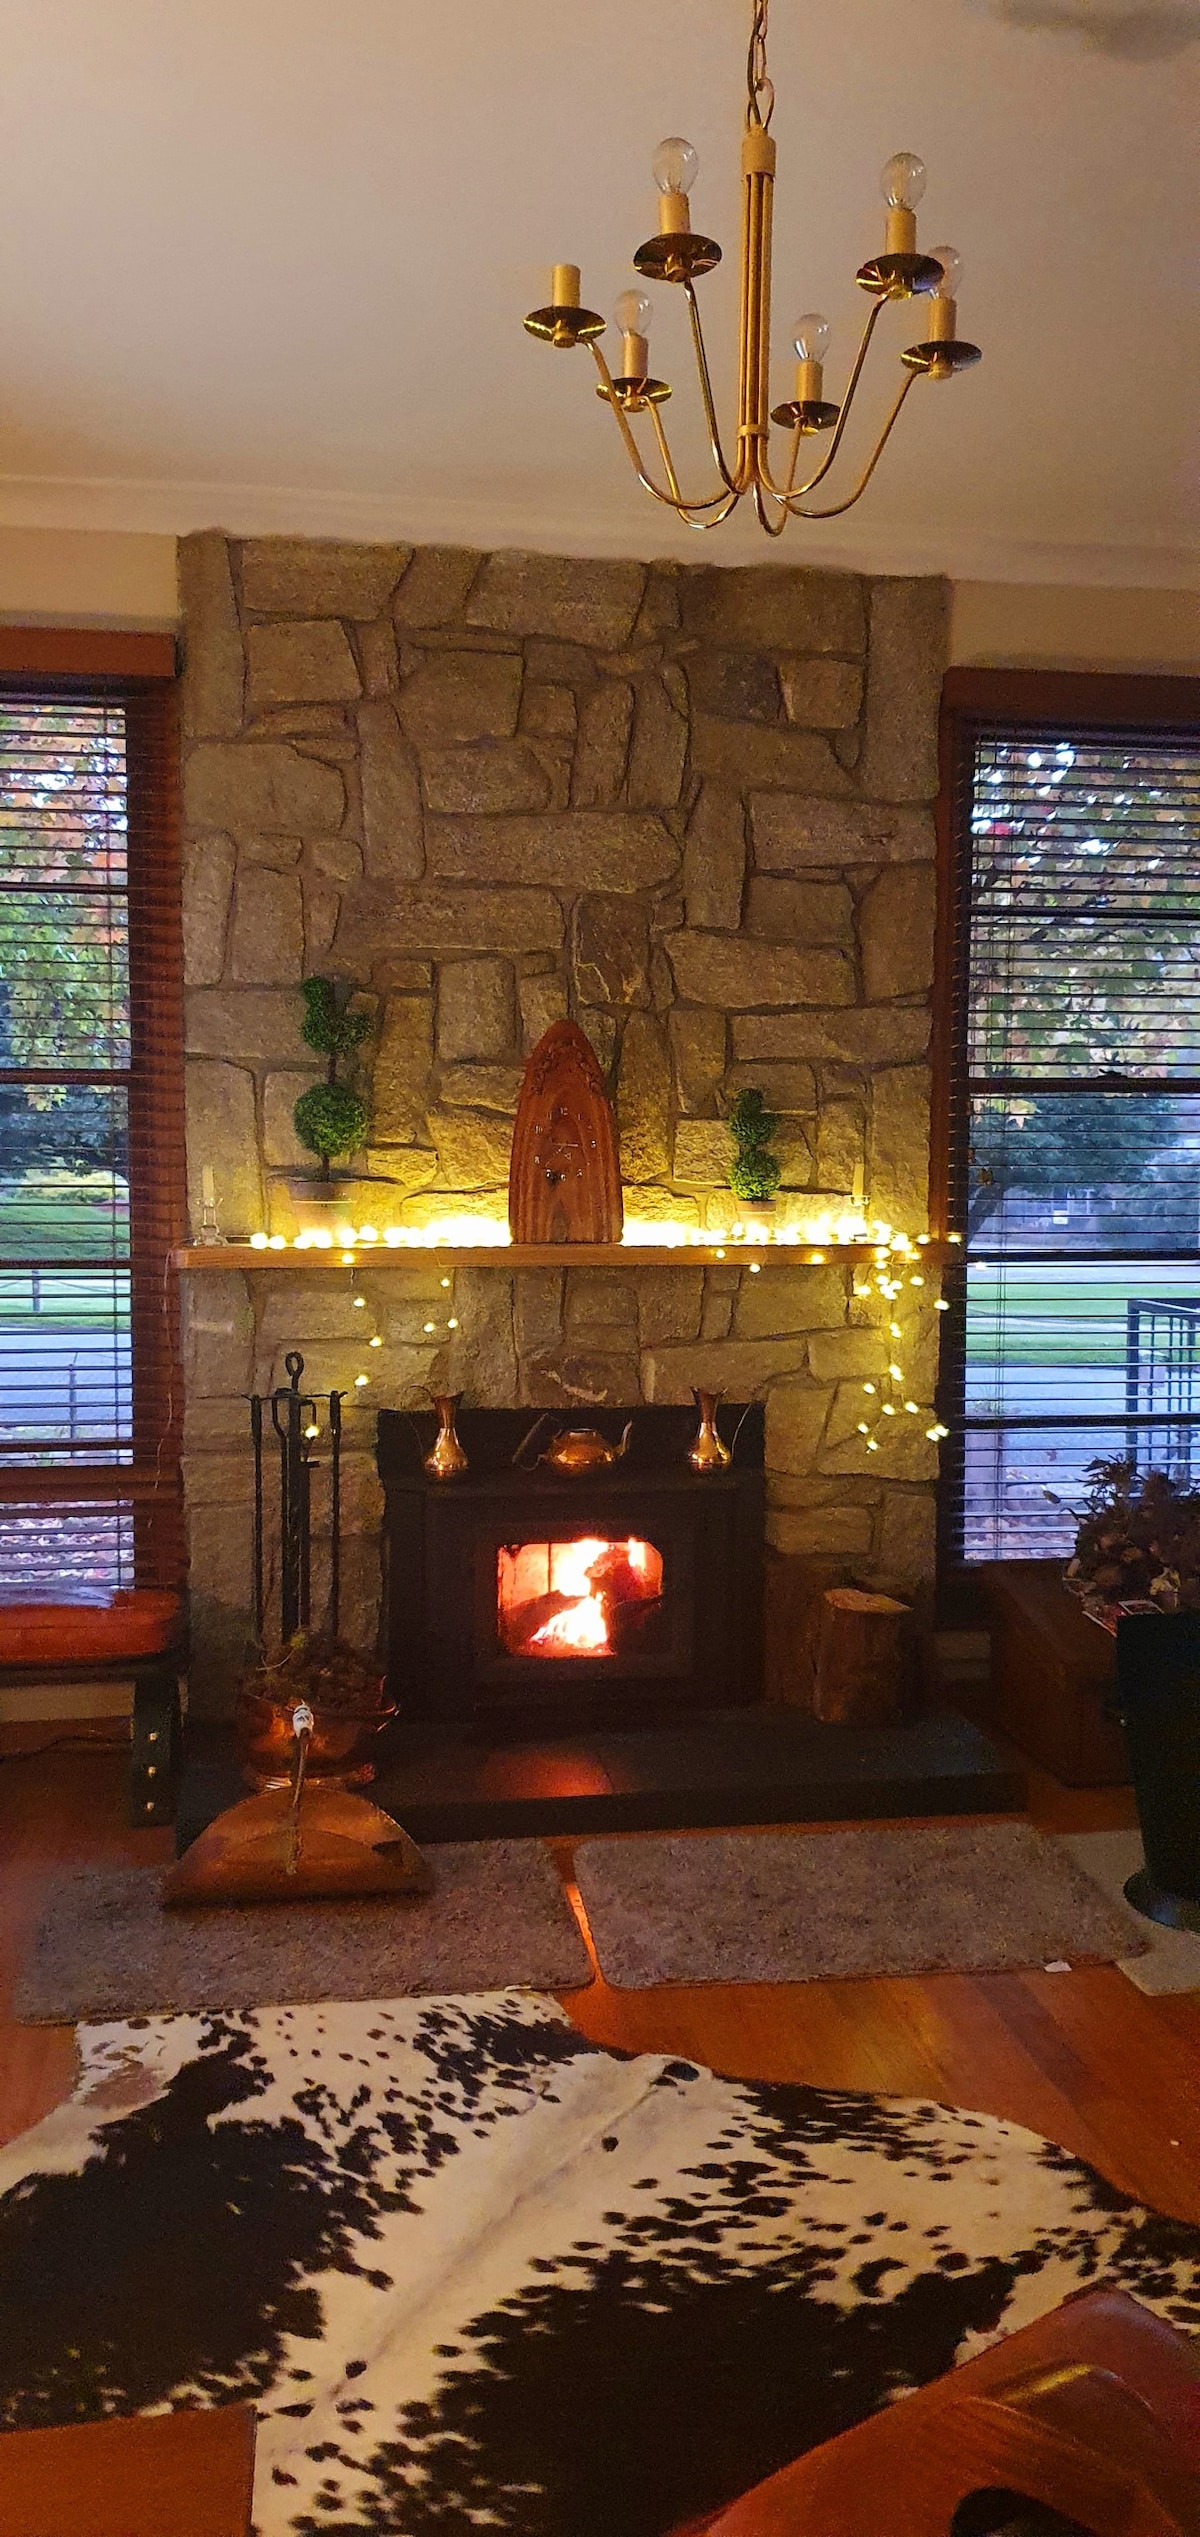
(758,187)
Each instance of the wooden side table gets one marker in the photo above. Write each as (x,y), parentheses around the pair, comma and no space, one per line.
(1053,1675)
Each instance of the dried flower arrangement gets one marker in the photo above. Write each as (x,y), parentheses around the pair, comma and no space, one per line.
(1138,1540)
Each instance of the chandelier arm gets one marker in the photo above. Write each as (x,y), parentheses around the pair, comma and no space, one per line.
(635,455)
(833,510)
(791,490)
(763,471)
(773,524)
(710,411)
(721,503)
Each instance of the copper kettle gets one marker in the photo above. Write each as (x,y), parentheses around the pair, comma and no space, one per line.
(582,1449)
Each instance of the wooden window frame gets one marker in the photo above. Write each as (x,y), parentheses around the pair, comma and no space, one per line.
(975,701)
(140,671)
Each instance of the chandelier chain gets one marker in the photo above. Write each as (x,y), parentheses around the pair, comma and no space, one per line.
(760,89)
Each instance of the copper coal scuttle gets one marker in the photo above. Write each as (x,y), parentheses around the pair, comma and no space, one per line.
(307,1717)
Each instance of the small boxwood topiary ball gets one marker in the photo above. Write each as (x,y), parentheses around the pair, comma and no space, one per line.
(330,1119)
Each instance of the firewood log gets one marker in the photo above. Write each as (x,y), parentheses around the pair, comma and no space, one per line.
(864,1659)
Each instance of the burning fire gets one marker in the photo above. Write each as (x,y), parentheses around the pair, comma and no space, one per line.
(586,1579)
(582,1628)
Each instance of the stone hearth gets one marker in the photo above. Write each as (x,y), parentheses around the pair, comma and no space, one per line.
(690,807)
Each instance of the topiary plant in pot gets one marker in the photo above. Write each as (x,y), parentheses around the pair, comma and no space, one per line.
(754,1173)
(331,1119)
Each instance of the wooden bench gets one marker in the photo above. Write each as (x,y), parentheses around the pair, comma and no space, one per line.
(134,1637)
(1053,1675)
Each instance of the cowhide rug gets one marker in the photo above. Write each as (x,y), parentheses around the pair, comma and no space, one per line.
(477,2273)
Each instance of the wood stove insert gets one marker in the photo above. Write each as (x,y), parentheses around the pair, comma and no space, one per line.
(623,1596)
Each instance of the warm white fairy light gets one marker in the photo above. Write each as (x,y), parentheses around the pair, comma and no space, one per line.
(891,1269)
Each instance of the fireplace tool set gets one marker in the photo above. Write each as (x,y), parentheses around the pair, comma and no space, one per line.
(308,1714)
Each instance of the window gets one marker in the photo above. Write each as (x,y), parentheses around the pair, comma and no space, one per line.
(1070,1082)
(91,1134)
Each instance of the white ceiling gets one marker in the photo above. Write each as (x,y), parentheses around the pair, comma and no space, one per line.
(263,263)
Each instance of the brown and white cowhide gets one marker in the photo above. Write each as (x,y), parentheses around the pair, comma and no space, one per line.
(477,2273)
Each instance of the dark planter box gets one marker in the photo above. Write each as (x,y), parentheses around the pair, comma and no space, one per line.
(1158,1693)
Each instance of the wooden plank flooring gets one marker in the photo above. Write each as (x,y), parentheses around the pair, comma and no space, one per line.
(1081,2056)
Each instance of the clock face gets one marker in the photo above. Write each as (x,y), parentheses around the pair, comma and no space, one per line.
(561,1146)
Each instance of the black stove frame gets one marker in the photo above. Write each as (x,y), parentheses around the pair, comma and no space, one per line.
(441,1539)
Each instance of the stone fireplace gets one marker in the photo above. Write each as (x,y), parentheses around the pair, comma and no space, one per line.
(690,807)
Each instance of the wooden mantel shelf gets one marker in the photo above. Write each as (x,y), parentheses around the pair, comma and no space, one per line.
(518,1255)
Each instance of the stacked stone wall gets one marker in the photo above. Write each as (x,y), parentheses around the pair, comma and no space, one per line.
(690,807)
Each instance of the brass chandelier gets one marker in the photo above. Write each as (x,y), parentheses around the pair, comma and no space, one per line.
(679,254)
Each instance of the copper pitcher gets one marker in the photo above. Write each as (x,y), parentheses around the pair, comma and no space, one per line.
(446,1458)
(708,1451)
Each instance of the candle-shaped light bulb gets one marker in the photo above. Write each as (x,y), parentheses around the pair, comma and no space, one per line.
(902,185)
(903,181)
(943,305)
(811,338)
(812,342)
(676,167)
(631,313)
(951,264)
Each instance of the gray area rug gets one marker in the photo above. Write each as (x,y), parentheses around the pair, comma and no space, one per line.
(497,1919)
(1171,1961)
(824,1906)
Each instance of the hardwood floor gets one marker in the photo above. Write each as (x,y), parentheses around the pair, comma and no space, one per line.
(1082,2056)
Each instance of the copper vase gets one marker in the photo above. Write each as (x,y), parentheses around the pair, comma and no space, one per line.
(446,1459)
(708,1451)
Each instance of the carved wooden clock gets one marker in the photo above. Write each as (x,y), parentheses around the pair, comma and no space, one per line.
(564,1181)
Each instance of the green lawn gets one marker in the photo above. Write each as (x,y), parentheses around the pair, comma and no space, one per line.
(70,1218)
(1064,1320)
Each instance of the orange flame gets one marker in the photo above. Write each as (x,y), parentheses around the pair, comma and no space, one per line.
(583,1627)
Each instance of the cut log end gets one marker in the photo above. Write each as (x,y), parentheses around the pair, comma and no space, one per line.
(864,1659)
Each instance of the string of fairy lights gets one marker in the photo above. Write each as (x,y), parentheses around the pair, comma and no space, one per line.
(893,1277)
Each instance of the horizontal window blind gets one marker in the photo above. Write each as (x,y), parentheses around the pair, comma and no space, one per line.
(1074,1123)
(91,1134)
